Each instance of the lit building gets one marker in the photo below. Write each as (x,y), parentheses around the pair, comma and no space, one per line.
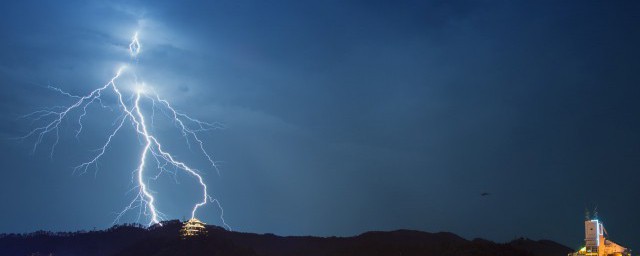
(596,244)
(193,227)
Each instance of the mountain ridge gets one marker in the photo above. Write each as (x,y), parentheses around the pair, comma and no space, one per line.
(161,240)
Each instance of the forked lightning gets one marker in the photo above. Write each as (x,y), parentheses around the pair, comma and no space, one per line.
(133,113)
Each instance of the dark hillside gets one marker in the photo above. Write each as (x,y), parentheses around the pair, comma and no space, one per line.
(163,240)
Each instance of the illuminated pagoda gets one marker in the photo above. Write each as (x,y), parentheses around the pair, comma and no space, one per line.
(192,228)
(596,244)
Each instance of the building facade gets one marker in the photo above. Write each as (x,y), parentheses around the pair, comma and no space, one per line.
(596,244)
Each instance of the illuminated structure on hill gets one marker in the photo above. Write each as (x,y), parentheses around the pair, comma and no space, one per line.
(596,244)
(193,227)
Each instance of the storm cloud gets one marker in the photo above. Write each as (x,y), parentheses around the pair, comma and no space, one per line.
(342,116)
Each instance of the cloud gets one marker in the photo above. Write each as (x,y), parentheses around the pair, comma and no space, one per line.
(335,110)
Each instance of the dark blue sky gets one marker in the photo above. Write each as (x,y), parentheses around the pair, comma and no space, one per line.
(341,116)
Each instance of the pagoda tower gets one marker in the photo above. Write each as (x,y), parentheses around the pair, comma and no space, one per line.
(192,228)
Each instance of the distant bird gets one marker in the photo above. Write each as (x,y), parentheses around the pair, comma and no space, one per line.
(484,194)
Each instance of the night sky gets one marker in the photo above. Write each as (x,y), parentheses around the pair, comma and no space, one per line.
(340,116)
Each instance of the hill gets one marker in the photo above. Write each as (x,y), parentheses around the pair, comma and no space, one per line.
(164,240)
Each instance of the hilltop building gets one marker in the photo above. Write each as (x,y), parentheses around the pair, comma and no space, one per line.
(192,228)
(596,244)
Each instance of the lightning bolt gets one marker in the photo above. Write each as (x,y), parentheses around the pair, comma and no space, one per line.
(132,113)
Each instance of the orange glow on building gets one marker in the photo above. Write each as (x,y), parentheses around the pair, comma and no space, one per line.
(596,244)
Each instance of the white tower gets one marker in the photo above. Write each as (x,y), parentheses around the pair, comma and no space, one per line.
(594,235)
(595,242)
